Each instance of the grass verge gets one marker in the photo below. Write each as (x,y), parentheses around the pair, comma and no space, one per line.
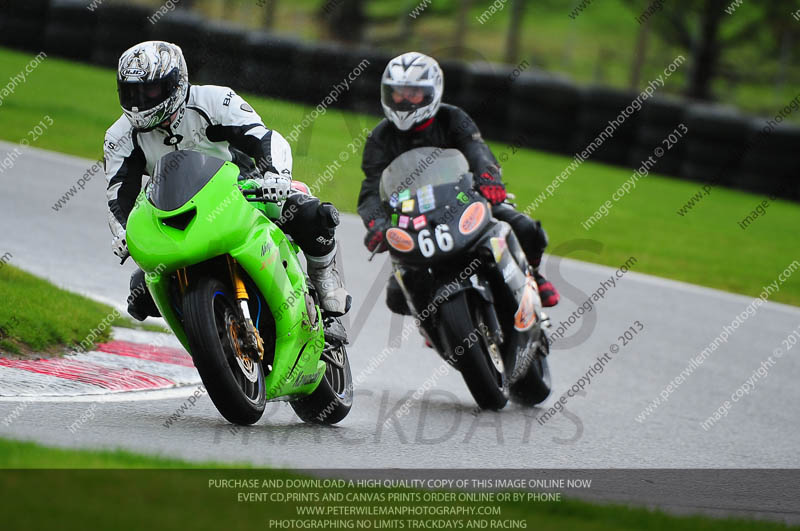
(705,247)
(117,497)
(37,317)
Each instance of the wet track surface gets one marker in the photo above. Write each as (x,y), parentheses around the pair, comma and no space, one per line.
(597,429)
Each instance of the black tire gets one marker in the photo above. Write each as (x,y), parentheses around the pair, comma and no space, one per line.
(207,307)
(461,317)
(332,399)
(534,387)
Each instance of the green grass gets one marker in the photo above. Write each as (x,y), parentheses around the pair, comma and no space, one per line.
(120,495)
(19,454)
(37,317)
(705,247)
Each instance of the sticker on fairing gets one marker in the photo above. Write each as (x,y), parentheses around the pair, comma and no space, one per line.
(400,240)
(472,218)
(525,316)
(498,248)
(426,198)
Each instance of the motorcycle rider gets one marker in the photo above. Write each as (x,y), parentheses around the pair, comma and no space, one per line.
(411,97)
(163,112)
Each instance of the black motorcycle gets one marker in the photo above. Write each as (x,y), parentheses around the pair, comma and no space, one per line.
(466,278)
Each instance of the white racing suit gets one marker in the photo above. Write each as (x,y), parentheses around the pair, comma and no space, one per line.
(219,123)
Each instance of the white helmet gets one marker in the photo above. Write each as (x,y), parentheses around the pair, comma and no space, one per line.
(152,81)
(411,89)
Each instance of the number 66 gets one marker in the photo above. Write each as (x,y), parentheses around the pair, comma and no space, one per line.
(443,239)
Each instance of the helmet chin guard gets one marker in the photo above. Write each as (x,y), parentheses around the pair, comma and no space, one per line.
(411,89)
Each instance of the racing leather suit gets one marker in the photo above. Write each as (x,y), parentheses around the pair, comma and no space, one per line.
(450,128)
(217,122)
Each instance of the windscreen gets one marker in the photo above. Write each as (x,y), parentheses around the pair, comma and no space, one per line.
(178,176)
(421,167)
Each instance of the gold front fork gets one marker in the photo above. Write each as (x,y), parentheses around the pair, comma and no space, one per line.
(242,298)
(183,279)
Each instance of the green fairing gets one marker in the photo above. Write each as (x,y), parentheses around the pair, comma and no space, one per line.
(227,224)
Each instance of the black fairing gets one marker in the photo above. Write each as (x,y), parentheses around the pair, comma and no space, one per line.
(178,176)
(448,211)
(500,293)
(485,262)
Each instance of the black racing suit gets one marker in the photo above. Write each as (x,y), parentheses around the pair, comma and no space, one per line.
(450,128)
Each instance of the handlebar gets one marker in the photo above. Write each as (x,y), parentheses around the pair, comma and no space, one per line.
(374,252)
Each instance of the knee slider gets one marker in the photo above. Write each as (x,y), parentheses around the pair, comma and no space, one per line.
(328,215)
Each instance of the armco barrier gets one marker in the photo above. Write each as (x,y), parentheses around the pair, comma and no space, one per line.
(266,69)
(599,106)
(456,81)
(544,111)
(484,86)
(535,109)
(770,164)
(118,28)
(70,29)
(319,69)
(221,53)
(714,146)
(185,29)
(22,24)
(304,83)
(365,91)
(660,117)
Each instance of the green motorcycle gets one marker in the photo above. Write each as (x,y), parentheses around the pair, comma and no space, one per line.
(213,258)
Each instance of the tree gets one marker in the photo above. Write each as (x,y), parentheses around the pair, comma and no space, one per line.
(513,35)
(708,29)
(462,23)
(345,20)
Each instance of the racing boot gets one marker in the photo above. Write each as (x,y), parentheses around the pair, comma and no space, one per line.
(140,302)
(547,291)
(334,299)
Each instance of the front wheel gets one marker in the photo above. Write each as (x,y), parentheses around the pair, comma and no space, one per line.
(331,401)
(475,354)
(234,381)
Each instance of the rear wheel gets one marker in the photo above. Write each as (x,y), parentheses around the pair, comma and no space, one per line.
(332,399)
(534,386)
(475,354)
(234,381)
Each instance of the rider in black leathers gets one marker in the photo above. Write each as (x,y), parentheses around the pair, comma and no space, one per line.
(411,91)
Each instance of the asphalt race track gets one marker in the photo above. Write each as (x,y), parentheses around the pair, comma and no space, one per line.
(598,428)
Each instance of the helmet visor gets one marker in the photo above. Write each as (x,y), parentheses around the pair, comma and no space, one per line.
(405,98)
(143,95)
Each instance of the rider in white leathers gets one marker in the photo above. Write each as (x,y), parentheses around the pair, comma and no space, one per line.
(163,113)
